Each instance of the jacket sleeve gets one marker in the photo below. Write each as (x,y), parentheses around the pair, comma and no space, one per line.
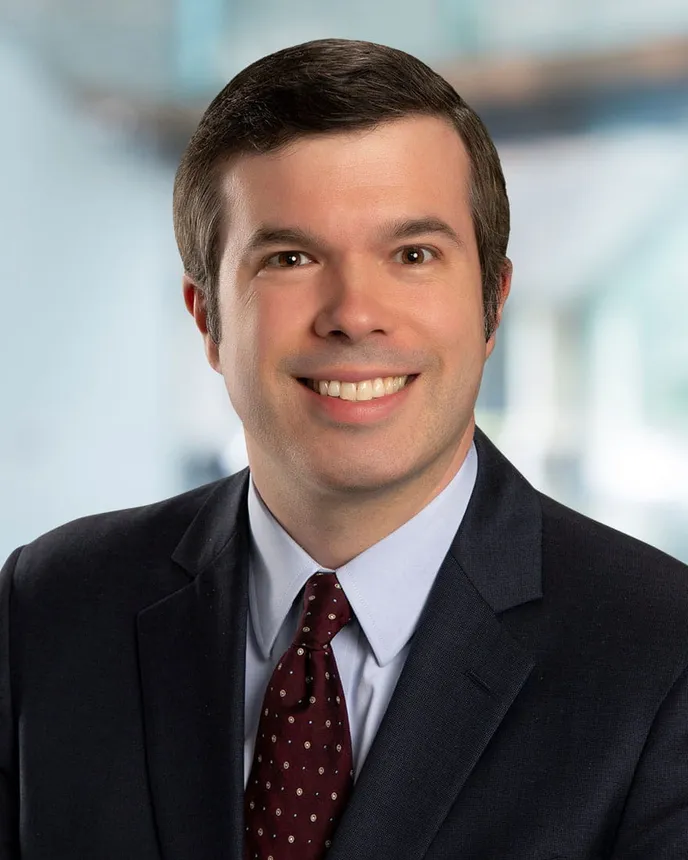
(9,847)
(654,825)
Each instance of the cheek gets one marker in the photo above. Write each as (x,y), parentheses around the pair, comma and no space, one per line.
(275,332)
(454,323)
(238,349)
(259,333)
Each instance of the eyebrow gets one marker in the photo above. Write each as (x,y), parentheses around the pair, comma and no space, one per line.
(268,236)
(410,227)
(265,237)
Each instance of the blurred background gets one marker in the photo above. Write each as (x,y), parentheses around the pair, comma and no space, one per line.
(106,398)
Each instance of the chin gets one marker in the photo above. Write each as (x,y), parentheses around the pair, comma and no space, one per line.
(358,478)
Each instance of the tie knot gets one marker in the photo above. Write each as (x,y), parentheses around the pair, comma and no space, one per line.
(325,611)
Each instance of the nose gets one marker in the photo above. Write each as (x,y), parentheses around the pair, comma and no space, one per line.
(353,305)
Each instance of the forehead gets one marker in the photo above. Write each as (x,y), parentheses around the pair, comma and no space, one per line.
(343,181)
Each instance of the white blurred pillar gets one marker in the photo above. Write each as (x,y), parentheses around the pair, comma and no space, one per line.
(543,381)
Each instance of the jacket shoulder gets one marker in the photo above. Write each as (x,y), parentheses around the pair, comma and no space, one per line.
(615,586)
(594,544)
(132,537)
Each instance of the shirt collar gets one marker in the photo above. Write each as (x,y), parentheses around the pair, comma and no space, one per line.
(387,584)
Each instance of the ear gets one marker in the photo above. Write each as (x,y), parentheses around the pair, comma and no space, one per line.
(504,289)
(197,305)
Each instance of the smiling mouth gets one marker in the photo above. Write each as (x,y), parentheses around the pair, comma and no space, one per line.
(367,389)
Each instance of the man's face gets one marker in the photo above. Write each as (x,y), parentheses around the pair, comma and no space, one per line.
(350,258)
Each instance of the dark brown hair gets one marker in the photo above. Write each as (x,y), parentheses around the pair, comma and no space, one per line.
(318,87)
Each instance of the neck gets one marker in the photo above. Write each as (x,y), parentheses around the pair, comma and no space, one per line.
(335,527)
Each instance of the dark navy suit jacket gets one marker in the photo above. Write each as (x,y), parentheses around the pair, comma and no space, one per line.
(542,712)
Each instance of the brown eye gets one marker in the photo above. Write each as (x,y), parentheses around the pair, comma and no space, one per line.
(414,255)
(287,260)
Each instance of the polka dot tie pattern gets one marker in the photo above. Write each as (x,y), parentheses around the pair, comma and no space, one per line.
(302,772)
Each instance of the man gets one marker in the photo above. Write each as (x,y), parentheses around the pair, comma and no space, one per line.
(381,642)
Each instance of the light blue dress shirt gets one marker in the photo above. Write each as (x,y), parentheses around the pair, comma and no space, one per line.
(387,587)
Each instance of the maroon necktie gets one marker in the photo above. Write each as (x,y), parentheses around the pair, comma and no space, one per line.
(302,773)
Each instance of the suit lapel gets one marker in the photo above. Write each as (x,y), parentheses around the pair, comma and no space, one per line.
(462,674)
(192,658)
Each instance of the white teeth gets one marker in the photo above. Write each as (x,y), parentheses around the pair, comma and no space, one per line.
(364,390)
(367,389)
(378,388)
(348,391)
